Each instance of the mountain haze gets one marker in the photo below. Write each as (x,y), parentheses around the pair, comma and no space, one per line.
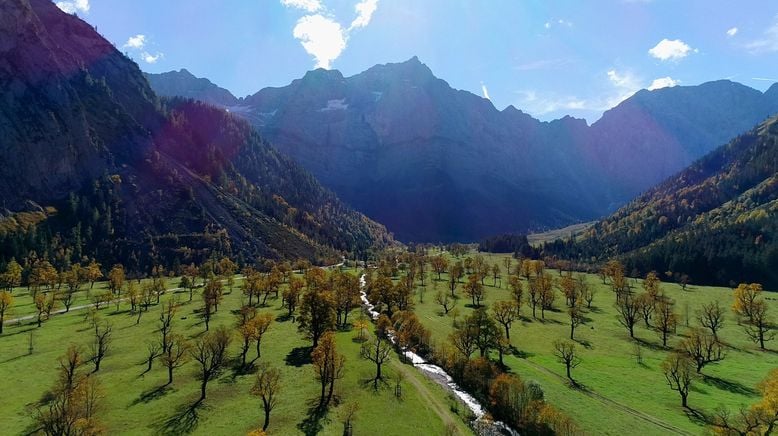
(438,164)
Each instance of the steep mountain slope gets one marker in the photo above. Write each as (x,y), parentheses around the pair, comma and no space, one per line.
(716,221)
(103,168)
(434,163)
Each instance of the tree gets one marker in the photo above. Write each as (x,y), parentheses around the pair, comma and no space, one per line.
(760,419)
(746,298)
(474,289)
(711,316)
(517,290)
(291,295)
(176,355)
(6,301)
(210,352)
(44,305)
(678,369)
(267,386)
(576,318)
(152,352)
(628,308)
(666,319)
(166,324)
(93,273)
(702,348)
(495,273)
(759,328)
(445,301)
(317,314)
(505,312)
(74,402)
(566,354)
(439,264)
(484,330)
(547,294)
(12,277)
(378,352)
(261,325)
(116,279)
(328,364)
(346,293)
(101,343)
(647,306)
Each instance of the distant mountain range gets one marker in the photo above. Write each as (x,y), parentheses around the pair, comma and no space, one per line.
(95,164)
(438,164)
(716,221)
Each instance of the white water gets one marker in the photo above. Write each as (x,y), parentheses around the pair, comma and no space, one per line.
(432,371)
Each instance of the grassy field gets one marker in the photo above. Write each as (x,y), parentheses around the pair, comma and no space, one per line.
(139,404)
(620,396)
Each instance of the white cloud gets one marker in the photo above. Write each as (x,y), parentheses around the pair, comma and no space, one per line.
(732,32)
(306,5)
(485,91)
(365,10)
(764,79)
(557,22)
(547,25)
(670,50)
(73,6)
(626,84)
(662,82)
(151,59)
(322,37)
(536,105)
(136,42)
(768,42)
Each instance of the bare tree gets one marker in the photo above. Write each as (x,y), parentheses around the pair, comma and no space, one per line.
(101,343)
(711,316)
(666,319)
(702,348)
(566,354)
(446,302)
(678,369)
(505,312)
(377,352)
(175,355)
(759,328)
(628,308)
(210,352)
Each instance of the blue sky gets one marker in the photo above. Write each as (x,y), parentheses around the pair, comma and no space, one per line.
(547,57)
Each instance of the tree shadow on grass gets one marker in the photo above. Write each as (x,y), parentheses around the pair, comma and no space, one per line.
(521,354)
(284,318)
(728,385)
(299,356)
(649,345)
(698,417)
(184,421)
(312,424)
(584,343)
(152,394)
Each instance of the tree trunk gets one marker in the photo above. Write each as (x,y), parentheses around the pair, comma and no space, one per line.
(683,399)
(267,417)
(508,332)
(567,367)
(170,375)
(202,389)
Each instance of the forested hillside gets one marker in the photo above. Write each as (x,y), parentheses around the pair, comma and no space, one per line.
(100,167)
(715,221)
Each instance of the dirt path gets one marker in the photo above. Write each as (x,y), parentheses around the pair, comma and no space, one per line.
(622,407)
(431,400)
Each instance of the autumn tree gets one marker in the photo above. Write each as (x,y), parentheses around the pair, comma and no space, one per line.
(210,352)
(317,314)
(547,295)
(378,352)
(517,290)
(439,264)
(44,305)
(328,365)
(74,403)
(261,325)
(505,312)
(678,369)
(93,273)
(12,276)
(577,318)
(267,386)
(6,301)
(566,354)
(291,295)
(647,306)
(116,279)
(702,347)
(711,316)
(747,297)
(666,319)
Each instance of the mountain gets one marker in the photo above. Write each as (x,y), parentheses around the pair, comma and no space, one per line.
(716,221)
(102,167)
(183,84)
(438,164)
